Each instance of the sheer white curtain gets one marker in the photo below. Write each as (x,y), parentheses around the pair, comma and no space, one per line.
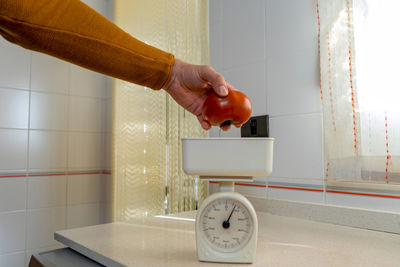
(359,52)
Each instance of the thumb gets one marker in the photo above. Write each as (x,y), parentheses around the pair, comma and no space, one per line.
(217,81)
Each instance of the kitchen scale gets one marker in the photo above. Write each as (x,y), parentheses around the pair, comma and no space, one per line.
(226,222)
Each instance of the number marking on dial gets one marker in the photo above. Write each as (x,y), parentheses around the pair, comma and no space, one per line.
(227,225)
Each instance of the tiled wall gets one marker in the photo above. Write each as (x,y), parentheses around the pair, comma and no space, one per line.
(268,49)
(55,138)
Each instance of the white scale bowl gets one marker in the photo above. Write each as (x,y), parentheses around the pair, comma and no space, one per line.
(227,157)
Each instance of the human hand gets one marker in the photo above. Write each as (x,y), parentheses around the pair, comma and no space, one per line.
(190,85)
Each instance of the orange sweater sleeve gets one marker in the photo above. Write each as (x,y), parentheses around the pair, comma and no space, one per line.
(72,31)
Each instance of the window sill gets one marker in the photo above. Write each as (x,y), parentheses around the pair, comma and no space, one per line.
(377,220)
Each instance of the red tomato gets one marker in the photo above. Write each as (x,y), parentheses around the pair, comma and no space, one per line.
(235,108)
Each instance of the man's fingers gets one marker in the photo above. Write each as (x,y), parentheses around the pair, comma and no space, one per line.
(217,81)
(204,124)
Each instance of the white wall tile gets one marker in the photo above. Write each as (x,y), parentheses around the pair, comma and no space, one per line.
(99,6)
(315,183)
(83,215)
(48,150)
(243,31)
(108,116)
(84,189)
(109,10)
(86,114)
(47,191)
(292,57)
(12,194)
(251,191)
(109,87)
(106,186)
(290,25)
(242,189)
(215,11)
(250,79)
(42,223)
(49,111)
(105,213)
(215,131)
(296,195)
(49,74)
(12,231)
(16,259)
(107,151)
(14,65)
(289,84)
(84,82)
(293,83)
(298,146)
(213,188)
(260,179)
(13,152)
(14,108)
(86,151)
(364,202)
(216,46)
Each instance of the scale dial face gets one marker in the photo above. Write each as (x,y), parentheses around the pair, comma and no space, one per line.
(226,225)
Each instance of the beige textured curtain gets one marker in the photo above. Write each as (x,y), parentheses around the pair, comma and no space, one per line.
(148,125)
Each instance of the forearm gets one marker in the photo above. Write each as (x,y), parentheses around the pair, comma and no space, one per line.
(72,31)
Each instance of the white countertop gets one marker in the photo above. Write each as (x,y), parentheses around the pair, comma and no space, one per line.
(282,241)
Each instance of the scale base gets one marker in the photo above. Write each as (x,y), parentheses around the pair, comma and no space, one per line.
(207,256)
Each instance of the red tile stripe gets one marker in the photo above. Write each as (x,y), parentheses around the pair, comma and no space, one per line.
(316,190)
(241,184)
(362,194)
(254,185)
(296,188)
